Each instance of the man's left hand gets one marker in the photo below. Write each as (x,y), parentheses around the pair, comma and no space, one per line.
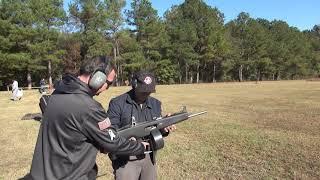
(170,128)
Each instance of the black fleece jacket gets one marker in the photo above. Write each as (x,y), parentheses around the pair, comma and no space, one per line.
(70,136)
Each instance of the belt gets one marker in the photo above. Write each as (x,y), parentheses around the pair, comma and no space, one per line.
(138,157)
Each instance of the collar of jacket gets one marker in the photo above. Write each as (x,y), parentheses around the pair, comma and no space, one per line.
(130,99)
(70,84)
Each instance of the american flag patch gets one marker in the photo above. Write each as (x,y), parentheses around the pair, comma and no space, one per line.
(104,124)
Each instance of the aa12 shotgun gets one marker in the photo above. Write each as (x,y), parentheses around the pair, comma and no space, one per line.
(151,130)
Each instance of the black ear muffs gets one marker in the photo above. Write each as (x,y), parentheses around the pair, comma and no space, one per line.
(97,80)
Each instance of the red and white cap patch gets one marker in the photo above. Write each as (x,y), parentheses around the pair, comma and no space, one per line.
(104,124)
(148,80)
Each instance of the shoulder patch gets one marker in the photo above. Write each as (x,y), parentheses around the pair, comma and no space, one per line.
(104,124)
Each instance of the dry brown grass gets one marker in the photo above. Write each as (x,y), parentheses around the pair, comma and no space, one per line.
(269,130)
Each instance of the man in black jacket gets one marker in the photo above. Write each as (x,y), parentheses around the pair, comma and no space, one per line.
(75,127)
(129,109)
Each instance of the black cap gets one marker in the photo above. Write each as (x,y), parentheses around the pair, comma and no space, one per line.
(144,82)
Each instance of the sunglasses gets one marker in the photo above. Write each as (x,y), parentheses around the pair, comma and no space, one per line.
(109,82)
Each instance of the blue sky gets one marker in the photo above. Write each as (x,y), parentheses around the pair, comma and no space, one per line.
(303,14)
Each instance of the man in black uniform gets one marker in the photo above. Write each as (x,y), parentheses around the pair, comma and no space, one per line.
(75,127)
(128,109)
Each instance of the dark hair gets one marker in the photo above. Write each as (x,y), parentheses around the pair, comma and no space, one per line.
(100,63)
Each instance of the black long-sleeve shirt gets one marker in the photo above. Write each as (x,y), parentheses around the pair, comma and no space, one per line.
(123,110)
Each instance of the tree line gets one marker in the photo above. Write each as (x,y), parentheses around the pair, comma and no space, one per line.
(191,43)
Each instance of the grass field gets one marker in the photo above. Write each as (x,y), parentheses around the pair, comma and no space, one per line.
(269,130)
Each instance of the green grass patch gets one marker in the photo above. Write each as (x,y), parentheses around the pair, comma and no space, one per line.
(269,130)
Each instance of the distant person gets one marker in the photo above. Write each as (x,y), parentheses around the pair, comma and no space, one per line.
(42,86)
(75,127)
(16,93)
(131,108)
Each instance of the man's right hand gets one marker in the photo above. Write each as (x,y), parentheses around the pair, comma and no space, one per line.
(145,144)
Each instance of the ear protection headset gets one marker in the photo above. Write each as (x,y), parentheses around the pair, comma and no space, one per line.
(99,68)
(97,79)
